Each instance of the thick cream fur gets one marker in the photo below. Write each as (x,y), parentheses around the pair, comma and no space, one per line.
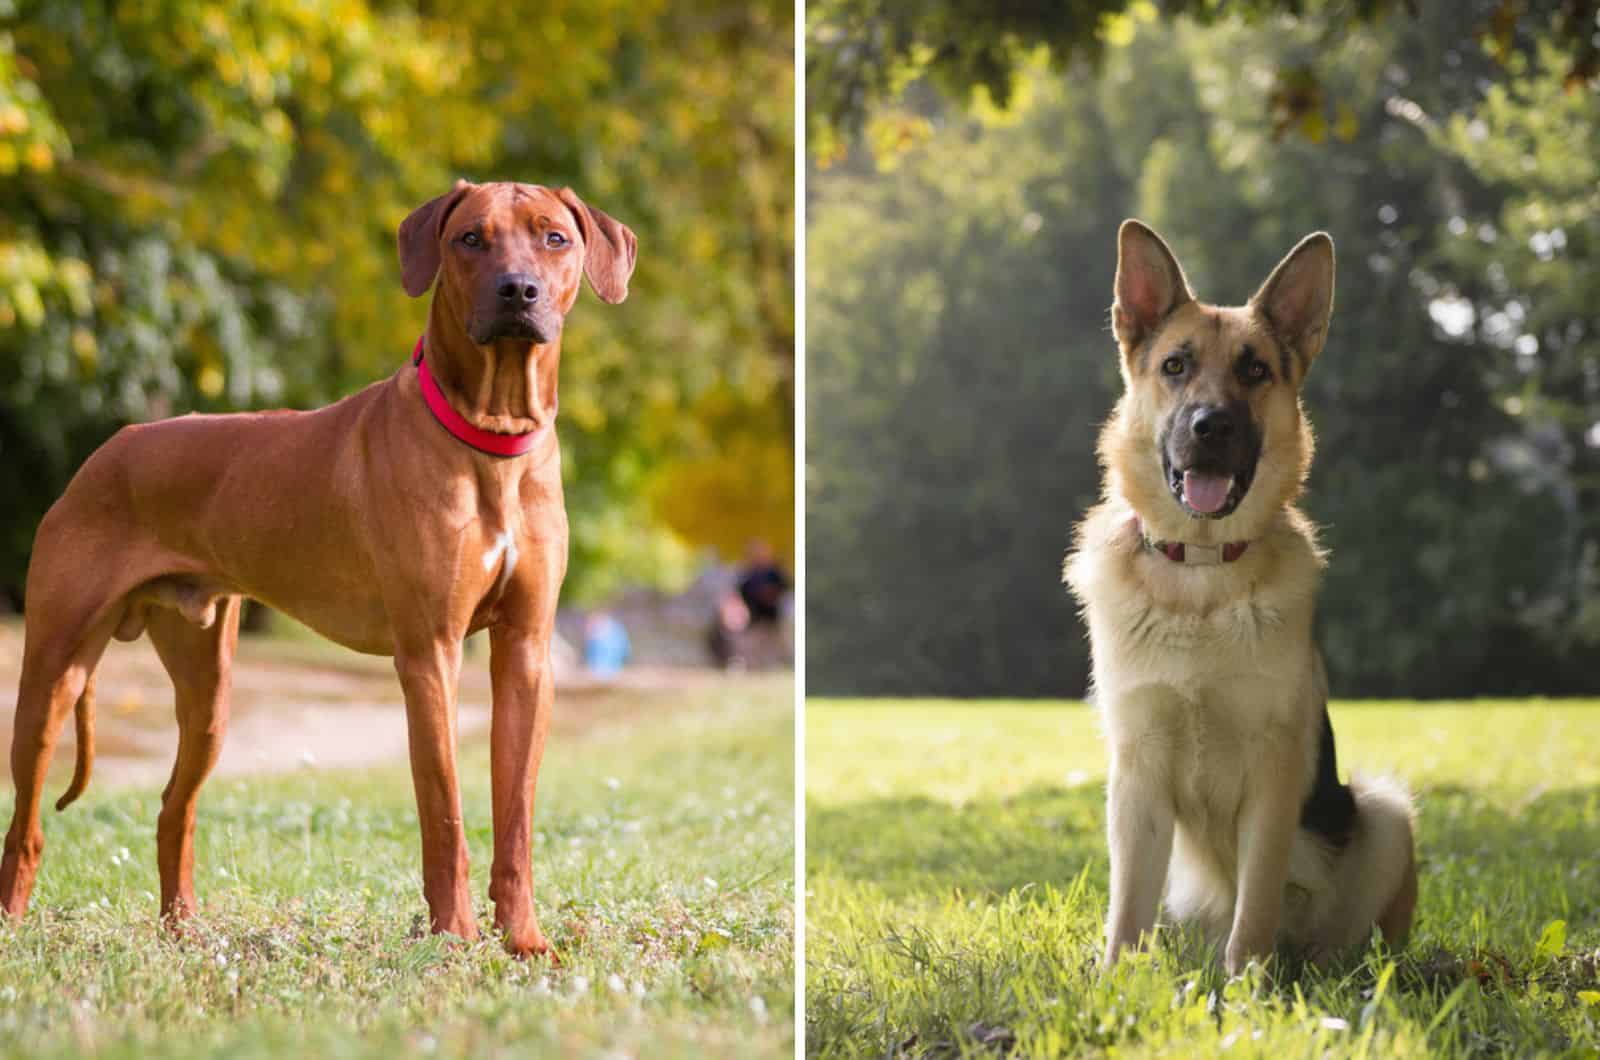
(1211,689)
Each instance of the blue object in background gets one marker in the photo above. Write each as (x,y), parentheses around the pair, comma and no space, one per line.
(605,645)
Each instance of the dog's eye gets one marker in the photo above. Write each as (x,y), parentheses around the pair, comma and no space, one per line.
(1172,365)
(472,239)
(1256,371)
(556,240)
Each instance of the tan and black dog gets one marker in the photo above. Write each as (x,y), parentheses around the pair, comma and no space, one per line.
(396,522)
(1198,577)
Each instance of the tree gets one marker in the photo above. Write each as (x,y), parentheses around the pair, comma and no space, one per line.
(1529,262)
(960,364)
(862,54)
(202,200)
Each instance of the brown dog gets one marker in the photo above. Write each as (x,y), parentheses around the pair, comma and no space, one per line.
(366,520)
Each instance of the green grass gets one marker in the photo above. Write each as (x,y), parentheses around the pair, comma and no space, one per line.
(664,874)
(956,885)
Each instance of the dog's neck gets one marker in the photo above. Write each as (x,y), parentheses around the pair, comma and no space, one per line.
(507,387)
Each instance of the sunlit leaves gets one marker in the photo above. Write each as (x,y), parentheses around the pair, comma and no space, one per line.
(202,200)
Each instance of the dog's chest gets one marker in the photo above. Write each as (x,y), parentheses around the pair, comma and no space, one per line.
(1241,624)
(1211,752)
(1138,639)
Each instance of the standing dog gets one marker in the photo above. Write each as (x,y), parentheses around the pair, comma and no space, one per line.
(1198,577)
(395,522)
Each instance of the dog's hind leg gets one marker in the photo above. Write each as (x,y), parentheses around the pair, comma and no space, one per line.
(1374,878)
(199,660)
(58,661)
(1395,920)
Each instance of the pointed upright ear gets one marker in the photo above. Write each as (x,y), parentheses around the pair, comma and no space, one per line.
(419,239)
(1297,298)
(609,248)
(1150,285)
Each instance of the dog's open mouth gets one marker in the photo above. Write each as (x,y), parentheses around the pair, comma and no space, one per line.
(1206,494)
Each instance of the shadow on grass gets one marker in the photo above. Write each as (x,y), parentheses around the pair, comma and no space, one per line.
(944,930)
(1494,872)
(915,845)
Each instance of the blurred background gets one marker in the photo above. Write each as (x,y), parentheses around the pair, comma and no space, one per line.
(969,166)
(199,210)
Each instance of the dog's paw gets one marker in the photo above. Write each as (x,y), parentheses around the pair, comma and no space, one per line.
(528,944)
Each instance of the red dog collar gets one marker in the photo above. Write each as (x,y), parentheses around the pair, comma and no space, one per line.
(1193,555)
(451,420)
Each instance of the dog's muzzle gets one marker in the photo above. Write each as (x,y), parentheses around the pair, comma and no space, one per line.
(526,324)
(1209,457)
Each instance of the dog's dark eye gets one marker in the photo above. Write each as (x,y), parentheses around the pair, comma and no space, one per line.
(555,239)
(1255,371)
(1172,365)
(472,239)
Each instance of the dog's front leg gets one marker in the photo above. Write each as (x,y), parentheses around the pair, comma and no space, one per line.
(1139,822)
(428,676)
(1268,820)
(524,694)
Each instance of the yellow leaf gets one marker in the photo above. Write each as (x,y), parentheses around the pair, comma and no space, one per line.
(1117,30)
(39,156)
(1552,940)
(1346,125)
(13,120)
(87,349)
(1314,126)
(210,381)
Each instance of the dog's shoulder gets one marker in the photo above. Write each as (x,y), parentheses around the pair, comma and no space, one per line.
(1107,536)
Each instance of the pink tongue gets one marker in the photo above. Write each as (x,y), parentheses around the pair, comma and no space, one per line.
(1205,493)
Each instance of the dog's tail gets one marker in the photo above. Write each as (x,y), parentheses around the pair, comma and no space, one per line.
(83,766)
(1377,872)
(1389,817)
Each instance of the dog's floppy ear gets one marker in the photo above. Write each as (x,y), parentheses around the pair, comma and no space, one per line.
(1150,285)
(609,248)
(1297,298)
(419,239)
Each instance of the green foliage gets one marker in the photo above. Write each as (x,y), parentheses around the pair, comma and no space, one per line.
(861,55)
(202,200)
(311,941)
(1529,262)
(957,879)
(961,365)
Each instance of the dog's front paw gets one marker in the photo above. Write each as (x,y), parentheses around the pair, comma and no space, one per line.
(1241,957)
(531,942)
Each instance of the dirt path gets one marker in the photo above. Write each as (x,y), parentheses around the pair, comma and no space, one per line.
(295,704)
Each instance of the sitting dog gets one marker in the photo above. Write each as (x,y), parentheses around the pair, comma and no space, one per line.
(1197,578)
(396,521)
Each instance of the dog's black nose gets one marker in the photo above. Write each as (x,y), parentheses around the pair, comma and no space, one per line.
(517,289)
(1212,424)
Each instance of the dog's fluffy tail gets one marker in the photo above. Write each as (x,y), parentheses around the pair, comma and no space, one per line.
(1376,875)
(83,765)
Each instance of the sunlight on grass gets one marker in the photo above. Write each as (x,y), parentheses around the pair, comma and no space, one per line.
(957,880)
(663,866)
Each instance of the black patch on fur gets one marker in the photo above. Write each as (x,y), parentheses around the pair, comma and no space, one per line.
(1241,366)
(1288,356)
(1330,809)
(1284,362)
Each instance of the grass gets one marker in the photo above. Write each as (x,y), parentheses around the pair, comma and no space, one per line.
(664,874)
(956,885)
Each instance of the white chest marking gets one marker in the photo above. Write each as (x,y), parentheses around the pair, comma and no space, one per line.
(503,546)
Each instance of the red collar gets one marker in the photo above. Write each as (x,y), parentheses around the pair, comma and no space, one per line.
(451,420)
(1193,555)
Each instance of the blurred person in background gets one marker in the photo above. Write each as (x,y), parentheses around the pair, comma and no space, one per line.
(748,626)
(605,645)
